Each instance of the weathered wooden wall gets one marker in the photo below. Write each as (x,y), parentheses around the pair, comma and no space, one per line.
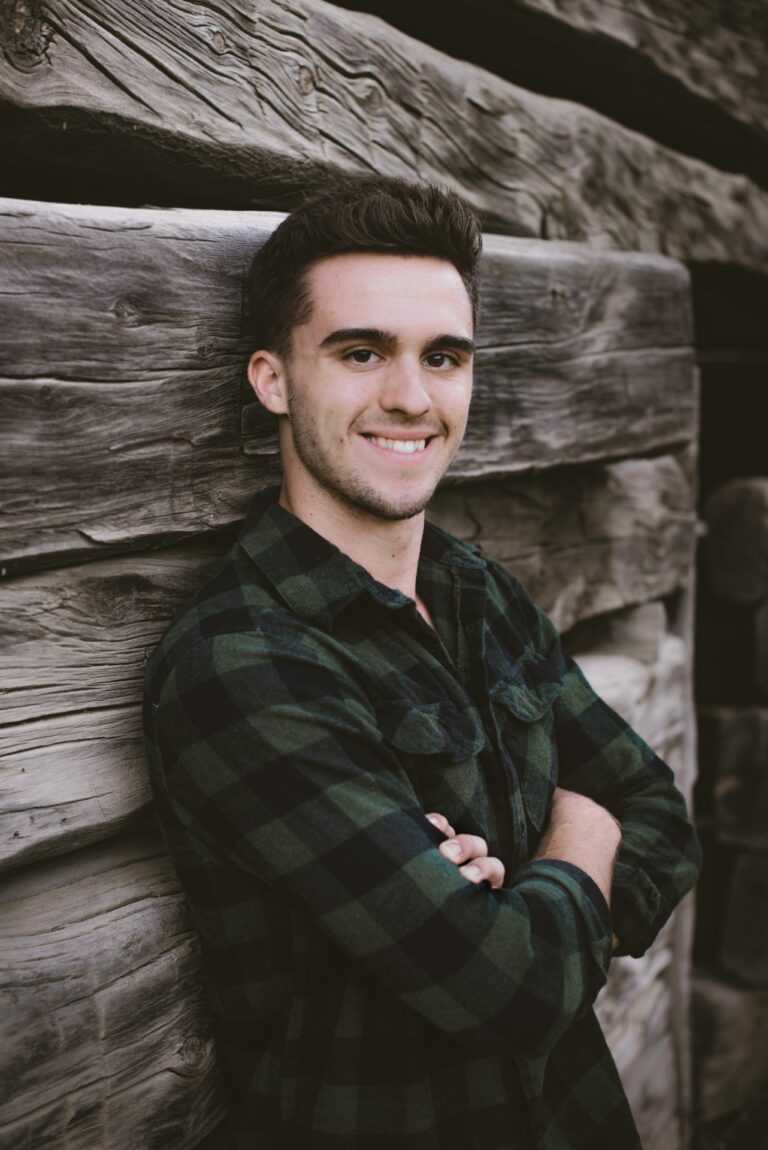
(126,437)
(245,105)
(131,447)
(675,70)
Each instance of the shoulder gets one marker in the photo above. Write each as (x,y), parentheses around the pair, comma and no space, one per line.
(234,625)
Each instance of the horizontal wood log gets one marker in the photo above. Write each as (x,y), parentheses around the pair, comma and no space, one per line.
(733,745)
(75,641)
(737,539)
(730,1050)
(587,541)
(106,1042)
(72,765)
(126,423)
(677,72)
(247,108)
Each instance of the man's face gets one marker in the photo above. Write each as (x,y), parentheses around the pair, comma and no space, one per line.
(379,381)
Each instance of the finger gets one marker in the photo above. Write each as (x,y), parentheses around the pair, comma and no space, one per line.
(485,870)
(442,824)
(463,848)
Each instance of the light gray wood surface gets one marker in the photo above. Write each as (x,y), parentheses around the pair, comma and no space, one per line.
(723,60)
(106,1042)
(125,423)
(586,540)
(75,640)
(674,70)
(248,105)
(638,666)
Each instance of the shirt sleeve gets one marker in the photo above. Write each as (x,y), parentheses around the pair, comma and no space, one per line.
(599,755)
(268,751)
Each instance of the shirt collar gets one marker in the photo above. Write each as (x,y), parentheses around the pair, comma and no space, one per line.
(314,578)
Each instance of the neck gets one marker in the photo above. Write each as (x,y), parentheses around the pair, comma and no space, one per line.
(388,549)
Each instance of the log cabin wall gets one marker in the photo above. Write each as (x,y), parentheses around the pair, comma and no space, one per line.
(730,990)
(130,450)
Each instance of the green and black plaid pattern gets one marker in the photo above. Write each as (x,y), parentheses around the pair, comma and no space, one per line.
(301,719)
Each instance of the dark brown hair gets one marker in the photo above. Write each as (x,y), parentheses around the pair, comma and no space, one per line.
(377,214)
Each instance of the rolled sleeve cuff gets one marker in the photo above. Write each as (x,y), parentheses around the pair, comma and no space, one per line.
(591,909)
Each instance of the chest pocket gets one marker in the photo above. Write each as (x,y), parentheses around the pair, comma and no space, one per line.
(437,745)
(522,704)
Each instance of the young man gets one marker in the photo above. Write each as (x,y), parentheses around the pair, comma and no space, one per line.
(410,833)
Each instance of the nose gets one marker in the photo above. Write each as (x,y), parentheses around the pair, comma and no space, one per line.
(405,388)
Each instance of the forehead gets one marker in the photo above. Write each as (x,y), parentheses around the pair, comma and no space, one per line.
(363,289)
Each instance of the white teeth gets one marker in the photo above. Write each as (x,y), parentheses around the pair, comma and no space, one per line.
(406,446)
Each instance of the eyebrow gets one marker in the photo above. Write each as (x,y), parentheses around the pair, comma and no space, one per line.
(389,340)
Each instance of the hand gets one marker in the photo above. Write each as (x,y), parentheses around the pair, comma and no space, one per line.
(469,853)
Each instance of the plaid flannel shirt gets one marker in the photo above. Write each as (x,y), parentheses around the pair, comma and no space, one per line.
(301,718)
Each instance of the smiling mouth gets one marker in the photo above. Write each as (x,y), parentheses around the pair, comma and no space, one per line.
(400,446)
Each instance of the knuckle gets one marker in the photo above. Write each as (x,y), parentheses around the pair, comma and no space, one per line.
(474,846)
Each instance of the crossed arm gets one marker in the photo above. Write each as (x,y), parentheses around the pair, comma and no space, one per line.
(580,832)
(302,793)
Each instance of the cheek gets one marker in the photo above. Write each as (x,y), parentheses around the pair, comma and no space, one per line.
(456,404)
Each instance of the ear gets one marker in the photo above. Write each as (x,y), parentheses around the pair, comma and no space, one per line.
(266,375)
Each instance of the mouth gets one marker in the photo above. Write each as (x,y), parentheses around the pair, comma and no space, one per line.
(400,447)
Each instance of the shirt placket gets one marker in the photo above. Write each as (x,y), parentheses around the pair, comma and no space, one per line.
(501,774)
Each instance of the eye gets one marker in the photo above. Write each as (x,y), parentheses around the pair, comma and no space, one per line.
(441,359)
(361,355)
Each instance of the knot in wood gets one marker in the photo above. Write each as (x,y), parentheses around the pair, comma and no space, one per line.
(192,1053)
(306,80)
(127,311)
(217,41)
(558,292)
(24,32)
(372,99)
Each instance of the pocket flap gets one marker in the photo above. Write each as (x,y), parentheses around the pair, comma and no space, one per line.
(430,729)
(530,688)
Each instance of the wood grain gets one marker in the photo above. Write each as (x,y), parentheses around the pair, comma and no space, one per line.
(106,1042)
(75,643)
(587,540)
(635,1009)
(674,70)
(126,424)
(248,106)
(75,640)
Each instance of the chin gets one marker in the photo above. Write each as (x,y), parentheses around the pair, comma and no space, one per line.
(369,502)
